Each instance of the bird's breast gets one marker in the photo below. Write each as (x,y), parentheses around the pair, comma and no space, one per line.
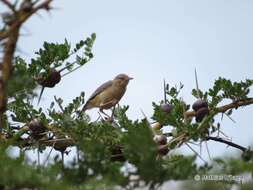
(112,93)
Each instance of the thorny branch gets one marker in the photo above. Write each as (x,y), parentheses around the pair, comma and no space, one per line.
(22,16)
(11,34)
(9,5)
(218,139)
(63,143)
(223,109)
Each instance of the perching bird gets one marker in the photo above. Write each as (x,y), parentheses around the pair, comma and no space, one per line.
(108,94)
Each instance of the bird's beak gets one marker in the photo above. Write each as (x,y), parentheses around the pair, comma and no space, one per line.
(130,78)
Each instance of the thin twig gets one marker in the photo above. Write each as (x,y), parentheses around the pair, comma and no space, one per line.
(49,154)
(9,5)
(98,118)
(195,152)
(62,159)
(220,131)
(75,68)
(200,147)
(230,118)
(218,139)
(77,154)
(207,149)
(60,106)
(196,144)
(62,69)
(71,71)
(145,116)
(38,154)
(179,138)
(27,110)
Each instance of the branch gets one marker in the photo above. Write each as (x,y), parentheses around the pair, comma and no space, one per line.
(22,17)
(12,35)
(223,109)
(9,5)
(218,139)
(63,141)
(9,50)
(44,5)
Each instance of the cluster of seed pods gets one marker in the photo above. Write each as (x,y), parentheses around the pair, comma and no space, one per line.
(201,109)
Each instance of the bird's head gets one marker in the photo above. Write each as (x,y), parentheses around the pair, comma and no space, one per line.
(122,79)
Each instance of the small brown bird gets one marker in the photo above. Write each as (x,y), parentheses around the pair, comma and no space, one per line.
(108,94)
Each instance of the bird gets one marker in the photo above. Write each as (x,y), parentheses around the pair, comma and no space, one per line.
(108,94)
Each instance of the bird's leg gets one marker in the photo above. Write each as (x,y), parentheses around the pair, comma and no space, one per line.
(112,103)
(113,109)
(102,111)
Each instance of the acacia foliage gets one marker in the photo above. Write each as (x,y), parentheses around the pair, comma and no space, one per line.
(106,149)
(119,153)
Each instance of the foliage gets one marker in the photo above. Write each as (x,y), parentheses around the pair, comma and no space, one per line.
(105,150)
(109,153)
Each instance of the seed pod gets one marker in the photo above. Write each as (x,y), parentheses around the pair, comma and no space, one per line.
(167,108)
(61,146)
(53,78)
(160,139)
(163,149)
(37,127)
(201,113)
(199,104)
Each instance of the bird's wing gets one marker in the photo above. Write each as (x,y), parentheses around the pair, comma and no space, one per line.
(100,89)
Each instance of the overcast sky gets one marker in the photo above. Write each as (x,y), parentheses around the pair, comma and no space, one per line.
(151,41)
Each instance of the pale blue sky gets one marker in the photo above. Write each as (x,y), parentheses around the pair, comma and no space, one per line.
(152,40)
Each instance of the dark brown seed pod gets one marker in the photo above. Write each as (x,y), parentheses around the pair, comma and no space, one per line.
(53,78)
(199,104)
(201,113)
(167,108)
(37,127)
(163,149)
(160,139)
(61,146)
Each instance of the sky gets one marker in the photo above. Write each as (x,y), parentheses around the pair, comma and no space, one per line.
(151,41)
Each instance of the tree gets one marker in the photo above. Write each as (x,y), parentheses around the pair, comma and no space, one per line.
(105,148)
